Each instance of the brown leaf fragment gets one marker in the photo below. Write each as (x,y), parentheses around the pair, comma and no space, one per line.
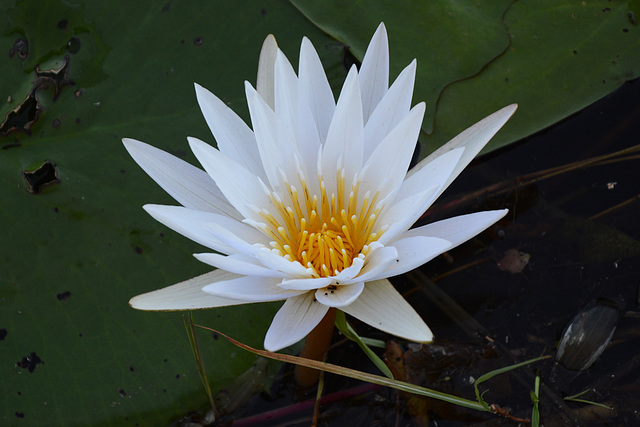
(514,261)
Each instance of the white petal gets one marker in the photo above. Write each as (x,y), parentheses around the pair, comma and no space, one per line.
(278,262)
(315,88)
(276,143)
(382,307)
(233,136)
(411,201)
(238,263)
(393,155)
(341,296)
(403,213)
(266,65)
(239,242)
(378,262)
(413,252)
(192,224)
(187,295)
(350,272)
(250,289)
(190,186)
(437,172)
(393,107)
(294,115)
(345,139)
(374,72)
(241,239)
(458,229)
(286,84)
(307,284)
(295,319)
(240,186)
(472,140)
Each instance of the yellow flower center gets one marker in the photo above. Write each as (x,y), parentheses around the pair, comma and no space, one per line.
(323,235)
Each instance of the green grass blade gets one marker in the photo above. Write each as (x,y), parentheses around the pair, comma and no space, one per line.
(362,376)
(535,397)
(575,398)
(493,373)
(349,332)
(193,340)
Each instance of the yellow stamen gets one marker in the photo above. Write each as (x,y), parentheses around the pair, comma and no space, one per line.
(323,232)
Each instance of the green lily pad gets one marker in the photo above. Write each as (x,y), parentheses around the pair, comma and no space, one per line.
(76,243)
(75,250)
(552,58)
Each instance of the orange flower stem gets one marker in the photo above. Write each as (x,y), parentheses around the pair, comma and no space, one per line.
(315,347)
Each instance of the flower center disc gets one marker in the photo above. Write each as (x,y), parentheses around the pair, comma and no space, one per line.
(324,234)
(327,250)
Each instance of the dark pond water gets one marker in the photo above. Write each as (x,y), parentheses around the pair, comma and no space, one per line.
(570,244)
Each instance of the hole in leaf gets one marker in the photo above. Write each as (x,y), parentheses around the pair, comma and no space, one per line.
(30,362)
(46,174)
(20,48)
(23,116)
(63,295)
(58,77)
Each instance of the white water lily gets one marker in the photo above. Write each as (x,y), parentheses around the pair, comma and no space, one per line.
(313,206)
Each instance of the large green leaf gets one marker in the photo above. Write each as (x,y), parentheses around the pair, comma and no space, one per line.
(73,255)
(553,58)
(72,351)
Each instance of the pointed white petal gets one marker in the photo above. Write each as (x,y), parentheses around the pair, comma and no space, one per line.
(240,186)
(472,140)
(345,139)
(239,242)
(315,88)
(403,213)
(437,172)
(374,72)
(458,229)
(382,307)
(250,289)
(307,284)
(265,81)
(378,262)
(350,272)
(238,263)
(413,252)
(393,155)
(278,262)
(286,84)
(295,319)
(341,296)
(233,136)
(411,201)
(187,295)
(393,107)
(190,186)
(275,143)
(294,115)
(193,224)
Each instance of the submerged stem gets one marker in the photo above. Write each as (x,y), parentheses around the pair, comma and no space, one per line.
(315,347)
